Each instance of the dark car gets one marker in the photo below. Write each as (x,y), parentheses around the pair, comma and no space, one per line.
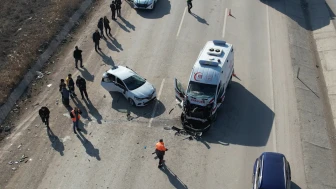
(271,171)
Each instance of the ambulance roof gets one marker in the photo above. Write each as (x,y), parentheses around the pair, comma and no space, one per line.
(210,62)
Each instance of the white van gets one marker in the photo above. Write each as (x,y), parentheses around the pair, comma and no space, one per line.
(207,85)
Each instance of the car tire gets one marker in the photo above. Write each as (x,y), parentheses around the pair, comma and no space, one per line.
(131,101)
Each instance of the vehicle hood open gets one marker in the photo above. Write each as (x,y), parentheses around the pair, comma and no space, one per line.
(145,91)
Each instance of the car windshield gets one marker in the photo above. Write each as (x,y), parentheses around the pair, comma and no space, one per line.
(134,82)
(201,90)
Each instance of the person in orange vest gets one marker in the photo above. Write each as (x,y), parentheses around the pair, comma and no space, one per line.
(75,116)
(160,150)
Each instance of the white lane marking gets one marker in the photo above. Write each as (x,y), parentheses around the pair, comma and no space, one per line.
(158,98)
(271,80)
(178,31)
(224,26)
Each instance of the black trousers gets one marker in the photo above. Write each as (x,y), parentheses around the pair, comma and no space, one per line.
(118,12)
(160,155)
(113,14)
(189,6)
(45,120)
(80,60)
(97,45)
(101,31)
(82,92)
(107,28)
(75,126)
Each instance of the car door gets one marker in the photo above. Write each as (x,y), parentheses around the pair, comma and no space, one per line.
(288,175)
(179,91)
(121,87)
(109,82)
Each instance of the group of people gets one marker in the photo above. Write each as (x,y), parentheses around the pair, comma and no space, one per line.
(67,86)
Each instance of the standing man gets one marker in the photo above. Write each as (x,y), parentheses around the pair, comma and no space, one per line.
(101,26)
(160,150)
(44,114)
(107,26)
(81,84)
(75,116)
(71,85)
(189,5)
(62,85)
(96,38)
(113,9)
(118,7)
(77,54)
(65,96)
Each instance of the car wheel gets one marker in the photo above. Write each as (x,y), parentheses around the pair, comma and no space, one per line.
(131,101)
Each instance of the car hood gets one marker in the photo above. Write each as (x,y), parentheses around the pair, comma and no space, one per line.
(143,1)
(144,91)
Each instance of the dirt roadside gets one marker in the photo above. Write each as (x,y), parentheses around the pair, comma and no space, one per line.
(35,87)
(26,30)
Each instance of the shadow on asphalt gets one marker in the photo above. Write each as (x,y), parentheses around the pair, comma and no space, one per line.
(120,104)
(55,142)
(295,186)
(173,179)
(107,60)
(127,23)
(162,8)
(90,149)
(199,19)
(291,10)
(86,74)
(242,120)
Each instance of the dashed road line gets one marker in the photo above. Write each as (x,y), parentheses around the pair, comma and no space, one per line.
(178,31)
(156,103)
(224,25)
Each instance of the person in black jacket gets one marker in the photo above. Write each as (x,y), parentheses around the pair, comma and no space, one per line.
(44,114)
(107,26)
(77,54)
(113,9)
(96,38)
(118,7)
(81,84)
(62,85)
(101,27)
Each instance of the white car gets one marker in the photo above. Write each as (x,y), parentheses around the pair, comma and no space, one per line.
(144,4)
(136,89)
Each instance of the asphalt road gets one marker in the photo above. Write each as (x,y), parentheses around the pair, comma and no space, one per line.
(259,113)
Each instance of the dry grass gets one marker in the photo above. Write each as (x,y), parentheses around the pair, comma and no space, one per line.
(27,28)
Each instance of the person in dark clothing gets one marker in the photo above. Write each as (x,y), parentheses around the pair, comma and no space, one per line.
(71,86)
(113,9)
(189,5)
(65,96)
(77,54)
(62,85)
(101,27)
(81,84)
(44,114)
(75,116)
(96,38)
(118,7)
(107,26)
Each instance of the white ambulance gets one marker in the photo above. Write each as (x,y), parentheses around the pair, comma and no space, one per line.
(209,79)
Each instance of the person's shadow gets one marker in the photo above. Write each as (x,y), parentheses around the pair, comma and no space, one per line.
(115,43)
(90,149)
(93,111)
(86,75)
(199,19)
(174,180)
(55,142)
(106,59)
(127,23)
